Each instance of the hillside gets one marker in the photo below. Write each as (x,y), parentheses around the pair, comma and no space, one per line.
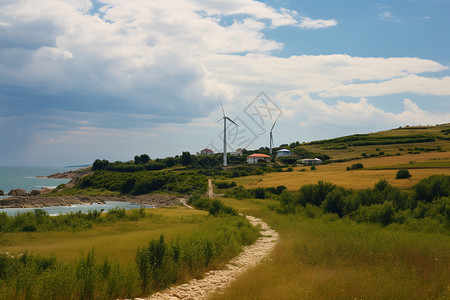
(403,140)
(425,151)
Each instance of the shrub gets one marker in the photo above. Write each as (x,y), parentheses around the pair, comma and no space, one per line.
(432,188)
(225,184)
(355,166)
(288,160)
(402,174)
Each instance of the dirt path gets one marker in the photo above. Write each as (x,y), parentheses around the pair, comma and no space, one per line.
(210,188)
(184,201)
(217,280)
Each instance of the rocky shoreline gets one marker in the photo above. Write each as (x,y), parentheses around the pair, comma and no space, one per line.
(34,199)
(154,200)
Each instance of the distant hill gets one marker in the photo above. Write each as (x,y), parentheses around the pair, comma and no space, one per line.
(398,141)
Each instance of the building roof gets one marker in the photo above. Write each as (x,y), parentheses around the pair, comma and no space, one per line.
(259,155)
(284,150)
(206,149)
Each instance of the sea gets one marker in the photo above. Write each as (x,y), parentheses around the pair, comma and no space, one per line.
(28,178)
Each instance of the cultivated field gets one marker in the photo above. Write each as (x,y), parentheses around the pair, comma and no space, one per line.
(420,166)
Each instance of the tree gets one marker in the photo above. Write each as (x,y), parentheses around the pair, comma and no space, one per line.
(402,174)
(145,158)
(186,159)
(100,164)
(170,162)
(142,159)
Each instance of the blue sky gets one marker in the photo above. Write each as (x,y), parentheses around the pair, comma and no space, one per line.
(81,79)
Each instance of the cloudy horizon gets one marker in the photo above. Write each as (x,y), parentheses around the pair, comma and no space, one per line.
(110,79)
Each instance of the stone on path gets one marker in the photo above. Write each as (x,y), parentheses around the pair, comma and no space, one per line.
(217,280)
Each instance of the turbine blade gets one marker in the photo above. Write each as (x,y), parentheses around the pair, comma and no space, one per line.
(264,133)
(223,111)
(219,120)
(274,124)
(232,121)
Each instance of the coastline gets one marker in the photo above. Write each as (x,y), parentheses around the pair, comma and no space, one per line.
(154,200)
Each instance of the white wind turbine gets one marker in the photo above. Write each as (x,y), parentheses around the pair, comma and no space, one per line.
(271,136)
(225,118)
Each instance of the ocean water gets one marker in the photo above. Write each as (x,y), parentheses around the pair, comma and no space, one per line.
(84,208)
(25,178)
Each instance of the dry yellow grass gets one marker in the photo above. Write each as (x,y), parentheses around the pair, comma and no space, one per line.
(118,241)
(337,173)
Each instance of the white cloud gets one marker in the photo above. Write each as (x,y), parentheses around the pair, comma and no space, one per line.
(362,116)
(308,23)
(408,84)
(386,15)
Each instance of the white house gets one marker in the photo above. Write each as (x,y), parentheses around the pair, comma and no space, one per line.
(311,161)
(238,152)
(284,152)
(206,151)
(254,158)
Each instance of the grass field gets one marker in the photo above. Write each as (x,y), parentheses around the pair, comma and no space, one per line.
(117,242)
(349,152)
(329,258)
(374,169)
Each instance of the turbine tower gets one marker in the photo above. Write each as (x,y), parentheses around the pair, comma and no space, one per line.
(271,136)
(225,118)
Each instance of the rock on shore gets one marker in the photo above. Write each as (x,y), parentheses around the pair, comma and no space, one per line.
(17,192)
(41,201)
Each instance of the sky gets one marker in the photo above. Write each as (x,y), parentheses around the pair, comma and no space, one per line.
(111,79)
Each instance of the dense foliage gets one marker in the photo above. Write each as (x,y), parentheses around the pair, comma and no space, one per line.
(40,221)
(144,182)
(385,204)
(425,207)
(367,139)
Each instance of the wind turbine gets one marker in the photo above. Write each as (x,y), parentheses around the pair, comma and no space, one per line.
(225,118)
(271,137)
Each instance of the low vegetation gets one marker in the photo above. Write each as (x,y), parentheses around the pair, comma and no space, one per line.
(426,207)
(155,266)
(40,221)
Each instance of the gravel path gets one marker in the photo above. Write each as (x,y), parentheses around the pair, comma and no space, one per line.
(219,279)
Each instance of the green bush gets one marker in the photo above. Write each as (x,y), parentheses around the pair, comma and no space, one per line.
(432,188)
(402,174)
(225,184)
(355,166)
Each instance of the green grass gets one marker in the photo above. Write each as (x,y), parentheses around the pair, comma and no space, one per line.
(417,165)
(117,241)
(330,258)
(343,148)
(198,242)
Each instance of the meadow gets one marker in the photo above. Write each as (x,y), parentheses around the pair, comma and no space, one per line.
(128,257)
(420,165)
(332,258)
(110,240)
